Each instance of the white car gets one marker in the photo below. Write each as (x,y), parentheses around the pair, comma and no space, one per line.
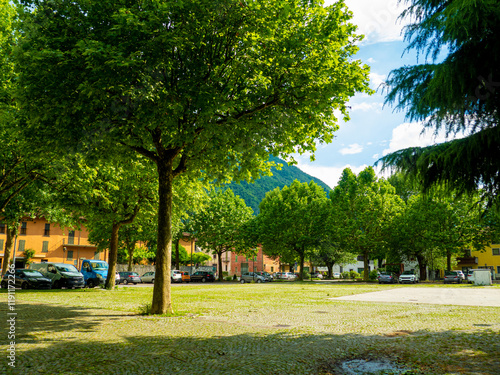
(337,275)
(176,276)
(409,277)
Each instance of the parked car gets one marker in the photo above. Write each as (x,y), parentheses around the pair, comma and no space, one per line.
(248,277)
(286,276)
(387,278)
(148,277)
(61,274)
(203,276)
(452,277)
(267,276)
(410,277)
(337,275)
(317,275)
(26,279)
(462,275)
(117,278)
(176,276)
(129,278)
(185,277)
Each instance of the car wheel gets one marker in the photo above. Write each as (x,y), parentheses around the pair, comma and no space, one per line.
(90,283)
(259,281)
(57,285)
(380,282)
(203,280)
(152,281)
(125,282)
(459,281)
(24,285)
(242,281)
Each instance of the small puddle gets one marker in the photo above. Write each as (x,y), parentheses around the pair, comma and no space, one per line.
(365,367)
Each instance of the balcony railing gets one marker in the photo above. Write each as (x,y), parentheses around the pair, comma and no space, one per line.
(467,260)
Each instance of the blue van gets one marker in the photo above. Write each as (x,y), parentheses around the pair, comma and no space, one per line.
(94,272)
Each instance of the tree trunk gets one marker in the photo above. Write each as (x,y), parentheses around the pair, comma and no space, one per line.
(422,267)
(302,257)
(330,270)
(219,264)
(366,266)
(162,300)
(130,252)
(448,260)
(11,232)
(177,262)
(113,256)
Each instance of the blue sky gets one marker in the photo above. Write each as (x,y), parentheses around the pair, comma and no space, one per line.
(374,129)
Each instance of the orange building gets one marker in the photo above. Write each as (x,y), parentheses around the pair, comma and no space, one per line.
(50,243)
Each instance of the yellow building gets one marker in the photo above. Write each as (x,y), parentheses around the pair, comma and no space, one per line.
(489,259)
(50,243)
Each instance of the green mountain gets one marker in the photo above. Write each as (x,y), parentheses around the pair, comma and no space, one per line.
(253,193)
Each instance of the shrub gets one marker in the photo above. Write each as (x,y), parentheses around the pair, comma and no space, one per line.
(353,274)
(373,275)
(345,274)
(228,278)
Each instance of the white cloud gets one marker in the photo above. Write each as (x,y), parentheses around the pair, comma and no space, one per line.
(351,149)
(410,135)
(377,19)
(376,80)
(371,60)
(366,107)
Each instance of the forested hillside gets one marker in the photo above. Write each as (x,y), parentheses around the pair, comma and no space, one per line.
(253,193)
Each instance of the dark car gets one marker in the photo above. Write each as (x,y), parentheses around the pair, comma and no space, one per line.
(202,276)
(129,278)
(387,278)
(26,279)
(453,277)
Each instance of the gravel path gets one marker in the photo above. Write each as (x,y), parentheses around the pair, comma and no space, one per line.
(466,296)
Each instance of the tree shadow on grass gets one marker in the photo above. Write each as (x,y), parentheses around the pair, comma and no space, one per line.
(54,339)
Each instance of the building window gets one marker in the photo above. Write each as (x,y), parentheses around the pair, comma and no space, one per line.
(361,258)
(96,255)
(71,237)
(272,269)
(236,258)
(496,251)
(46,232)
(467,253)
(21,245)
(45,246)
(70,255)
(1,245)
(226,267)
(24,227)
(2,228)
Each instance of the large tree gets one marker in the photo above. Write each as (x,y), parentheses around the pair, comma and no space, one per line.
(192,85)
(291,222)
(362,208)
(456,88)
(219,226)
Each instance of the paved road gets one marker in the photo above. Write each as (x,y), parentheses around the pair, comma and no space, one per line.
(467,296)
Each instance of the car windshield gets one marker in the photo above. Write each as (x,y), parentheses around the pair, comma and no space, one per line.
(407,273)
(99,266)
(67,268)
(32,273)
(385,274)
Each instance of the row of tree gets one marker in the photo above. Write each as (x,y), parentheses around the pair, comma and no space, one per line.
(364,216)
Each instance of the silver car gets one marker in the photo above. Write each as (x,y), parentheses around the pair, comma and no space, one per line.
(248,277)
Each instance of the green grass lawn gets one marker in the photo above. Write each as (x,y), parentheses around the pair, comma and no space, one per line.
(275,328)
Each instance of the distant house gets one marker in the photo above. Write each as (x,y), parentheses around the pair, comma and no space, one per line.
(487,259)
(50,243)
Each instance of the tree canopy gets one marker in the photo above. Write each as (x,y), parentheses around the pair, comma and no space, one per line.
(219,226)
(362,208)
(192,85)
(291,222)
(457,93)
